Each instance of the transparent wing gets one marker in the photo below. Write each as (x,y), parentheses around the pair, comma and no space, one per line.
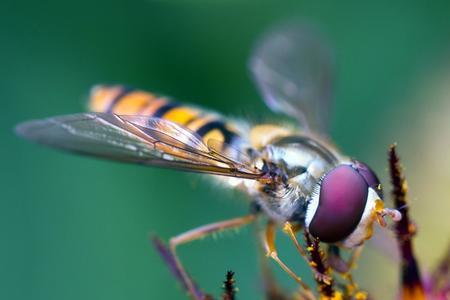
(293,68)
(136,139)
(385,242)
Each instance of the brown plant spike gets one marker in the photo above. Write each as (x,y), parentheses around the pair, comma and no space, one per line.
(229,289)
(324,281)
(411,282)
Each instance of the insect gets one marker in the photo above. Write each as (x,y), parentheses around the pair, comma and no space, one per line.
(294,176)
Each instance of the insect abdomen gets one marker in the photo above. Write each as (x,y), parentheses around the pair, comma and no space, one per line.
(123,100)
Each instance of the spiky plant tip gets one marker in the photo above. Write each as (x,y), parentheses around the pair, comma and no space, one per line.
(411,281)
(229,288)
(320,269)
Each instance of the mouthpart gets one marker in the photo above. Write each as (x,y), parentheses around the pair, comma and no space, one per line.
(382,212)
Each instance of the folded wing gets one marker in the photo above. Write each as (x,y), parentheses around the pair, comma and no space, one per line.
(136,139)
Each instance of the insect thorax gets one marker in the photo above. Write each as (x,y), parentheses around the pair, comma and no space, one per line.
(299,162)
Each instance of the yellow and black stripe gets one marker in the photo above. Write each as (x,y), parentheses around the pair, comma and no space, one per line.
(124,100)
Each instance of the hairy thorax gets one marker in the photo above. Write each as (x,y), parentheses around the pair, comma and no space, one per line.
(296,162)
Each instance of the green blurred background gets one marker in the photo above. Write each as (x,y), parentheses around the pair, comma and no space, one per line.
(77,228)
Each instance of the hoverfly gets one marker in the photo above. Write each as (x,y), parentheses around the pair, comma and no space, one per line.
(294,176)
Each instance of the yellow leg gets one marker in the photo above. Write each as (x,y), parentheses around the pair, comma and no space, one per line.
(269,243)
(356,253)
(271,287)
(290,231)
(196,234)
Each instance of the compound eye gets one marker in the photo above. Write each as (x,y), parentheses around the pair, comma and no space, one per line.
(342,199)
(369,176)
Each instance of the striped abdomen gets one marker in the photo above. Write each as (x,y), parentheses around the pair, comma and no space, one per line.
(126,101)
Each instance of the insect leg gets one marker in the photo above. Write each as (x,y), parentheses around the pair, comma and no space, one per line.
(290,230)
(272,290)
(269,242)
(338,263)
(343,267)
(198,233)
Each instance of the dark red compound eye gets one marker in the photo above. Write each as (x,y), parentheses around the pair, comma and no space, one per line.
(342,199)
(366,172)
